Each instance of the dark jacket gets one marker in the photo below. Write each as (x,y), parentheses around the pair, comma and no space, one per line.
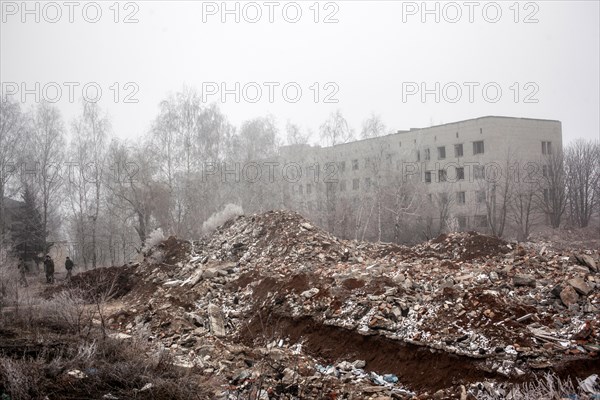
(69,264)
(49,265)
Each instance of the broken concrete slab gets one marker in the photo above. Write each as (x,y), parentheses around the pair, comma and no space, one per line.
(217,324)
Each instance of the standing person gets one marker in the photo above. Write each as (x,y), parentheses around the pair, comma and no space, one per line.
(49,269)
(69,267)
(22,270)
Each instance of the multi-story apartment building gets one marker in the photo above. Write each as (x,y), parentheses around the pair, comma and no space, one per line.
(453,173)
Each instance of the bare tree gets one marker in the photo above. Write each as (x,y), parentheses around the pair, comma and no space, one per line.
(46,139)
(134,189)
(444,202)
(582,169)
(12,127)
(551,194)
(186,137)
(372,127)
(90,133)
(403,201)
(295,135)
(258,139)
(336,130)
(498,188)
(522,209)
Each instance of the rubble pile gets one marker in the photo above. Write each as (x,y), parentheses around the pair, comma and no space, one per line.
(276,308)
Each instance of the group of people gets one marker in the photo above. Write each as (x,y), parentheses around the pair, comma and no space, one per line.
(48,269)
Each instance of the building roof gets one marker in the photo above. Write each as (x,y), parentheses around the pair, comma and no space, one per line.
(414,130)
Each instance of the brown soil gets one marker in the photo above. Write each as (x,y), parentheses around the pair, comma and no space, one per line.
(417,367)
(474,244)
(577,366)
(175,250)
(353,283)
(118,281)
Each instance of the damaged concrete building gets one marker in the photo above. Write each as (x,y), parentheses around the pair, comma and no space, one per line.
(445,177)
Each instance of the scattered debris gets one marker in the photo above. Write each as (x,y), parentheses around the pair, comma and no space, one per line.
(272,299)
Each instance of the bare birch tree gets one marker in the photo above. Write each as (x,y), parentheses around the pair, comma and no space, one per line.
(44,163)
(294,134)
(90,133)
(582,169)
(498,186)
(551,194)
(373,127)
(336,130)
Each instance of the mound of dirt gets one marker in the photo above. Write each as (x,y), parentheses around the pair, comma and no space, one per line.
(174,250)
(467,246)
(111,282)
(272,292)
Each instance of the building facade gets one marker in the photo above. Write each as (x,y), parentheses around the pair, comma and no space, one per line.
(455,176)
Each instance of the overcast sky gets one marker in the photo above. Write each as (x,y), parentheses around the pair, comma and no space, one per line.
(371,56)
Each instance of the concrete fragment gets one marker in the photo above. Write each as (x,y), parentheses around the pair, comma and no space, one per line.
(215,318)
(173,283)
(310,293)
(580,286)
(194,279)
(289,376)
(588,261)
(119,336)
(209,273)
(307,226)
(569,296)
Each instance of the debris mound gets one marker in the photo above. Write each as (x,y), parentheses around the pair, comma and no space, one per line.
(110,282)
(271,302)
(466,246)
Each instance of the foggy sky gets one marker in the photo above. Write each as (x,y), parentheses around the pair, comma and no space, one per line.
(376,49)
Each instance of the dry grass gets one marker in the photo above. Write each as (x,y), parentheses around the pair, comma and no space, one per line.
(121,368)
(42,340)
(546,387)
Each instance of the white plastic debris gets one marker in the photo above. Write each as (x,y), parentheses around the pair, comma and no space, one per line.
(589,384)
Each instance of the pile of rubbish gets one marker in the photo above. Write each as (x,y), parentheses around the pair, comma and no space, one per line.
(274,307)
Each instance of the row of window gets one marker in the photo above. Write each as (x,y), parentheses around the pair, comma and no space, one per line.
(442,174)
(479,221)
(461,197)
(342,186)
(478,148)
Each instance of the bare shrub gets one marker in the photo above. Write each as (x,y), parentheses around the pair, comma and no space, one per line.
(17,378)
(87,351)
(156,257)
(132,364)
(66,311)
(120,367)
(548,387)
(154,238)
(9,288)
(219,218)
